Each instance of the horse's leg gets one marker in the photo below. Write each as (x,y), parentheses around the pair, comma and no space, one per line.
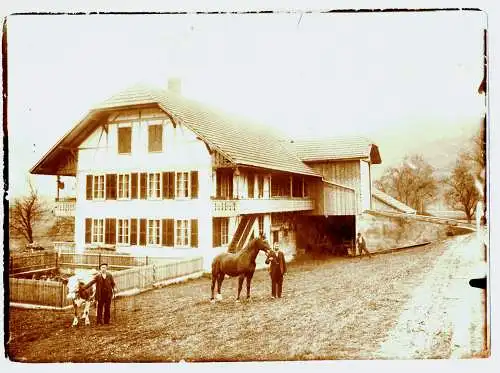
(249,281)
(214,278)
(240,285)
(220,278)
(75,317)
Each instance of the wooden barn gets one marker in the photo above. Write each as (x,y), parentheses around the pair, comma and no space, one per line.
(159,174)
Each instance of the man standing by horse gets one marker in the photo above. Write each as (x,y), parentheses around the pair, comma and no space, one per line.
(105,291)
(276,270)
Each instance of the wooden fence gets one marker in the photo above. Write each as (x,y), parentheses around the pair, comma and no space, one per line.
(45,293)
(32,262)
(144,277)
(51,293)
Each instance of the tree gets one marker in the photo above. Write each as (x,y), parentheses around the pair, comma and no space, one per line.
(463,187)
(25,213)
(412,182)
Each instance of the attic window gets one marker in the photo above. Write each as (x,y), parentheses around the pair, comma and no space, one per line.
(124,139)
(155,132)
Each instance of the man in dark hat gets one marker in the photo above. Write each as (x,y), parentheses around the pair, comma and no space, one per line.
(361,244)
(105,291)
(276,270)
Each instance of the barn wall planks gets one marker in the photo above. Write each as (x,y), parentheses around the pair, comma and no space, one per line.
(335,200)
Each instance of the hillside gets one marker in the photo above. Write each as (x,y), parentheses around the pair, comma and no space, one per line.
(48,230)
(441,153)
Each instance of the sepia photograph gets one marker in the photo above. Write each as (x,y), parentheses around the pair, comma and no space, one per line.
(235,187)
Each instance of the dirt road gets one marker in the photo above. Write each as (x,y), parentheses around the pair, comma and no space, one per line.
(339,308)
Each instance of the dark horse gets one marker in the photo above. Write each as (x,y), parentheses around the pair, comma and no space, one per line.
(240,264)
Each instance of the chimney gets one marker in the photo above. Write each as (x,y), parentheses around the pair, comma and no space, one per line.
(174,85)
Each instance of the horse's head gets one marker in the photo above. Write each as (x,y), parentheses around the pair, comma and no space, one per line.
(262,244)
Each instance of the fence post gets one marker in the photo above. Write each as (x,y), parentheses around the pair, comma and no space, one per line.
(99,264)
(11,265)
(146,260)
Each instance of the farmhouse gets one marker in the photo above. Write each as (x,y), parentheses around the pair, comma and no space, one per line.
(159,174)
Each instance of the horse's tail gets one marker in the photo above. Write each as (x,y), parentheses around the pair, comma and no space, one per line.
(215,268)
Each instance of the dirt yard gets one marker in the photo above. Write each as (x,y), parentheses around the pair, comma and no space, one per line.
(338,308)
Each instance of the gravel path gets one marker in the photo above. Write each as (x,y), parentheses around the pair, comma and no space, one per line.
(444,317)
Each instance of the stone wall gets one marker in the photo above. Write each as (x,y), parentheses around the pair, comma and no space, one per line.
(384,232)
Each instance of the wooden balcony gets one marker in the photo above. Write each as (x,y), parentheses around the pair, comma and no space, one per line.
(233,207)
(65,206)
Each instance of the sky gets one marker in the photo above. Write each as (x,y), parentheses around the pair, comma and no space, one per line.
(406,80)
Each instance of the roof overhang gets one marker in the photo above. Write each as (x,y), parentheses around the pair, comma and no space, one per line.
(375,155)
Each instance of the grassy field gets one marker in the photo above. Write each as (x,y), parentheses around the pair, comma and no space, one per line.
(338,308)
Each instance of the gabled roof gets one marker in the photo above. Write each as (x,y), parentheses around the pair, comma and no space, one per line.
(339,148)
(387,199)
(240,141)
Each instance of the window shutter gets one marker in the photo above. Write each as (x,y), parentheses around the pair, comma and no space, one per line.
(230,179)
(164,232)
(88,230)
(171,185)
(142,232)
(144,185)
(133,182)
(194,232)
(89,186)
(150,138)
(110,231)
(170,232)
(216,239)
(133,231)
(194,184)
(111,186)
(218,184)
(164,192)
(251,181)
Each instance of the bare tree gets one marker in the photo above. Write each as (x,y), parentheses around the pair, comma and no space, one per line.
(25,213)
(413,182)
(463,192)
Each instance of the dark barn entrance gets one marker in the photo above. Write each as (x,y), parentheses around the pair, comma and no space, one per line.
(333,235)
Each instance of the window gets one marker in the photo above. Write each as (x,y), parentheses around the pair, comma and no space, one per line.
(98,231)
(182,233)
(153,232)
(123,231)
(261,224)
(182,184)
(98,187)
(124,186)
(155,132)
(276,235)
(224,185)
(124,139)
(154,186)
(220,231)
(297,186)
(224,228)
(260,186)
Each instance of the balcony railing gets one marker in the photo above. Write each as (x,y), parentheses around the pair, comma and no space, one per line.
(65,206)
(230,207)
